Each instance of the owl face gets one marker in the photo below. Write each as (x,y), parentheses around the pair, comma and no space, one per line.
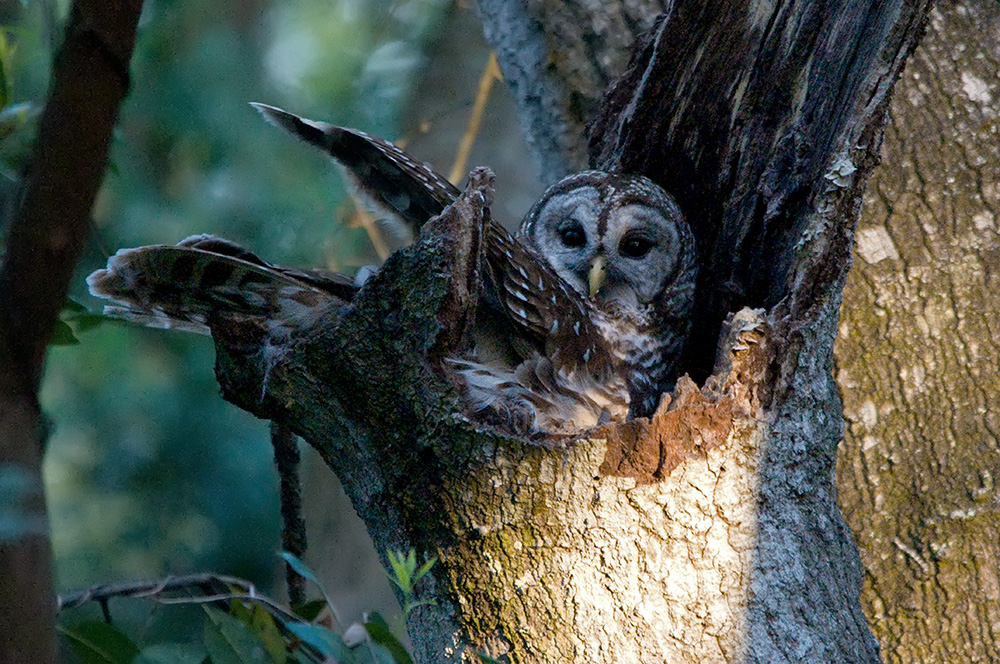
(615,238)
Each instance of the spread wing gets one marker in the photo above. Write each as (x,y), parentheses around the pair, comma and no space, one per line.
(530,291)
(406,187)
(203,278)
(555,357)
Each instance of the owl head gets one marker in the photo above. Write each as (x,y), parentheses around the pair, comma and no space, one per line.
(619,239)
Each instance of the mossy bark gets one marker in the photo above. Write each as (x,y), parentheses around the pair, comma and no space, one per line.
(918,354)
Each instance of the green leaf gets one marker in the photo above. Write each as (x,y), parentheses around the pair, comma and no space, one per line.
(229,641)
(376,653)
(300,568)
(97,642)
(62,335)
(405,575)
(86,322)
(73,312)
(310,610)
(402,567)
(263,625)
(80,316)
(303,570)
(326,642)
(378,630)
(72,306)
(172,653)
(426,567)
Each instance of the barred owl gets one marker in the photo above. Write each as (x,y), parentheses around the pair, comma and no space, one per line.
(583,315)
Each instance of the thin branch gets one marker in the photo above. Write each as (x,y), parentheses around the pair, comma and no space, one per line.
(204,583)
(293,526)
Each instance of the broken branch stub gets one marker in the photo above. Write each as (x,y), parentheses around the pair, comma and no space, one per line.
(692,421)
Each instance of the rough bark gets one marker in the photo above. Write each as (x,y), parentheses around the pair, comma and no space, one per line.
(90,78)
(711,533)
(558,58)
(918,354)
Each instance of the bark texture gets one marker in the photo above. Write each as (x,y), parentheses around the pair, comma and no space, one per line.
(918,354)
(89,80)
(558,58)
(710,533)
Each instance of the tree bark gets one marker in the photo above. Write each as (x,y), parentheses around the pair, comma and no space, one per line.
(89,80)
(558,58)
(710,533)
(918,354)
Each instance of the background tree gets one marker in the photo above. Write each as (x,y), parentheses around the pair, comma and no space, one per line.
(43,243)
(917,353)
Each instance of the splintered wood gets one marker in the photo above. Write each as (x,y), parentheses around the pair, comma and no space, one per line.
(692,421)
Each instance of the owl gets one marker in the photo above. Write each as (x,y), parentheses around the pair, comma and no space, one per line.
(583,312)
(619,241)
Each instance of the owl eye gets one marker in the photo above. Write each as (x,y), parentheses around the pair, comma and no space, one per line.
(572,236)
(635,246)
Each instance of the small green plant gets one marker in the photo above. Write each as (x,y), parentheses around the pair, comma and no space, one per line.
(405,575)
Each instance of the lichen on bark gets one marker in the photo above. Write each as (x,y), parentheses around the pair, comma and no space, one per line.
(918,352)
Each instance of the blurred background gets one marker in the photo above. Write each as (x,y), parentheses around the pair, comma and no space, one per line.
(148,471)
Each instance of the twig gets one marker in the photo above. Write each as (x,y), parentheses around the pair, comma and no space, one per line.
(490,74)
(204,583)
(293,526)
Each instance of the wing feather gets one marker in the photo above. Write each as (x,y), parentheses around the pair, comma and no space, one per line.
(406,187)
(184,285)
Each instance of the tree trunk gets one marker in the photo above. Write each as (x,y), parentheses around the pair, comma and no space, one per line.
(710,533)
(918,355)
(89,80)
(558,59)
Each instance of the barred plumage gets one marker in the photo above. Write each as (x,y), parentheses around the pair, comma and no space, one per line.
(583,316)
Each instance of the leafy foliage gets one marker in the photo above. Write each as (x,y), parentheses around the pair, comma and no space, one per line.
(242,627)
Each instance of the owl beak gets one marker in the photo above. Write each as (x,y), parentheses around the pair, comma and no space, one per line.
(598,275)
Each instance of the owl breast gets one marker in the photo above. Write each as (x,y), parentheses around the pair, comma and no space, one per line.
(622,243)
